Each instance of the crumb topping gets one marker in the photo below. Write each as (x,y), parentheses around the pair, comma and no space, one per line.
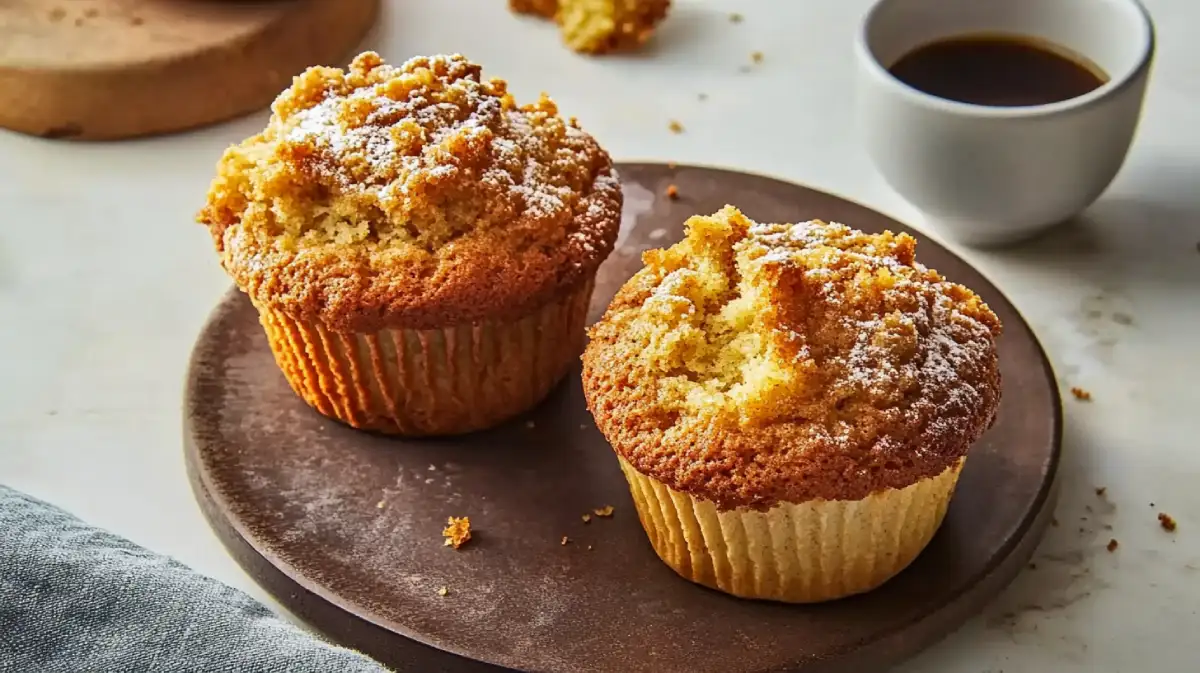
(752,362)
(384,183)
(457,531)
(599,26)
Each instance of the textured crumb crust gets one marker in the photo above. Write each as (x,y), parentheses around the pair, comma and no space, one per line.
(600,26)
(806,552)
(417,197)
(752,364)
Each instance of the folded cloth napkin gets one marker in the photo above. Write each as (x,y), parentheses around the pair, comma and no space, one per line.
(81,600)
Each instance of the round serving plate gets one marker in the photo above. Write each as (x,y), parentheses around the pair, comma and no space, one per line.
(344,527)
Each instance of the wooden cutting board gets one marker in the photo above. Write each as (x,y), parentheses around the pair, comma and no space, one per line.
(107,69)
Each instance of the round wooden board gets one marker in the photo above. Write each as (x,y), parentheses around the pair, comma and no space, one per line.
(344,527)
(107,69)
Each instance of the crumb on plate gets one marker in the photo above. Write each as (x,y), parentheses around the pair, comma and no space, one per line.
(1081,394)
(672,192)
(442,591)
(756,56)
(736,18)
(675,126)
(457,531)
(1112,545)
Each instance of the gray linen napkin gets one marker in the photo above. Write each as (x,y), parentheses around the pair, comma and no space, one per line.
(81,600)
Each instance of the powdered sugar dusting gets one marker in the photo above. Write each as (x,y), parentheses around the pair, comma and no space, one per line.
(433,131)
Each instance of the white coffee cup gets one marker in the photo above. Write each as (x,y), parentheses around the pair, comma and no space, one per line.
(993,175)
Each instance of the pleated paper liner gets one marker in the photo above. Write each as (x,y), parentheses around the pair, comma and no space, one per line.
(797,553)
(433,381)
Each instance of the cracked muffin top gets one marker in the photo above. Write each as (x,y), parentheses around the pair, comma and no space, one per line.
(752,364)
(415,196)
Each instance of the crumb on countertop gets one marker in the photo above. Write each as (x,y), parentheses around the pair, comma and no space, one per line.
(1112,545)
(587,518)
(675,126)
(590,547)
(457,531)
(565,540)
(672,192)
(1167,522)
(1081,394)
(1101,491)
(379,504)
(605,511)
(442,591)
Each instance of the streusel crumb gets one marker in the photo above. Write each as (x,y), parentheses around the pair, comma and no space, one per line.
(457,531)
(765,362)
(600,26)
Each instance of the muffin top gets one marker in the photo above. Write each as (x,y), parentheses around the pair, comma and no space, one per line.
(416,196)
(752,364)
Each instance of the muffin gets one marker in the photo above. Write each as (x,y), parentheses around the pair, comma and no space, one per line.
(791,403)
(600,26)
(420,249)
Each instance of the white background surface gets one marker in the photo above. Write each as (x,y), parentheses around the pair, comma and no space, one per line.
(105,282)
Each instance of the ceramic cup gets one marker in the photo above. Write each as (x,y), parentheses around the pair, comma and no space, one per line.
(993,175)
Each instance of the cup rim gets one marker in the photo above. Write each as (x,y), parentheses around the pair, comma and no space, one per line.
(867,56)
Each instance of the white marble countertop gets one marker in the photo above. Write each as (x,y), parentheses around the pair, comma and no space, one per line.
(105,282)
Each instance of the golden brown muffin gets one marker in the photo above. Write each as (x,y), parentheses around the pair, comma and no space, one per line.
(600,26)
(420,248)
(791,403)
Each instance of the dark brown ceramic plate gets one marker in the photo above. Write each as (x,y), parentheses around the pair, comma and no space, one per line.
(344,528)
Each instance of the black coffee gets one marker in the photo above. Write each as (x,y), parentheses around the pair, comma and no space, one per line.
(1000,71)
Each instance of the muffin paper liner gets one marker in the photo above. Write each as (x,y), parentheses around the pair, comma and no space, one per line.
(430,382)
(797,553)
